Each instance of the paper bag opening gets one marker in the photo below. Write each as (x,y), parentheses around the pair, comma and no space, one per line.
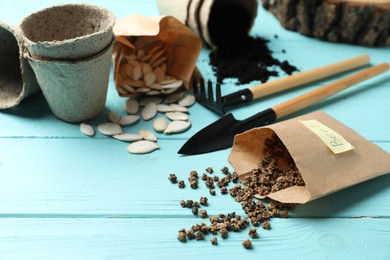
(322,170)
(153,55)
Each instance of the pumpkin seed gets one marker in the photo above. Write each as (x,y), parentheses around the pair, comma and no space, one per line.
(129,120)
(149,78)
(176,116)
(147,100)
(155,49)
(174,97)
(159,62)
(128,137)
(160,124)
(131,106)
(149,111)
(173,85)
(164,108)
(153,93)
(167,80)
(187,101)
(146,68)
(147,58)
(129,88)
(148,135)
(168,91)
(142,147)
(137,72)
(87,129)
(156,56)
(142,90)
(109,129)
(155,86)
(113,117)
(179,108)
(177,127)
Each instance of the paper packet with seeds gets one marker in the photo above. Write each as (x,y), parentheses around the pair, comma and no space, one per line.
(305,158)
(153,55)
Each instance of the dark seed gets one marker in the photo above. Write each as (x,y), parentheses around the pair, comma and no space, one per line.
(247,244)
(214,241)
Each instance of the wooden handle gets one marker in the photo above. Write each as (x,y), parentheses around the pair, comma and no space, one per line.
(301,78)
(321,93)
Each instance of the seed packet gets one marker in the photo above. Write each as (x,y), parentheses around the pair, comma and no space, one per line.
(153,55)
(328,155)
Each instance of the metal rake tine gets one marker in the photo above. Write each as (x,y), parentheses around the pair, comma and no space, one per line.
(210,91)
(218,97)
(195,86)
(202,89)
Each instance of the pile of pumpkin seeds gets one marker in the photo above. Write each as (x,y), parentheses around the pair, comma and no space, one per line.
(145,71)
(174,110)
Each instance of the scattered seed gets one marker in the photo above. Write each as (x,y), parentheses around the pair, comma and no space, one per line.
(177,127)
(195,210)
(199,235)
(109,129)
(247,244)
(172,178)
(149,111)
(128,137)
(129,120)
(214,241)
(253,233)
(203,213)
(187,101)
(87,129)
(203,201)
(157,100)
(148,135)
(164,108)
(266,225)
(179,108)
(182,237)
(131,106)
(176,116)
(142,147)
(212,192)
(181,184)
(172,98)
(160,124)
(223,233)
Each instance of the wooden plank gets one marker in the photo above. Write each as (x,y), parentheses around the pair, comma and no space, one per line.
(149,238)
(98,177)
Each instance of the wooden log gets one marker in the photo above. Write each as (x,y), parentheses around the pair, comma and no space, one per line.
(361,22)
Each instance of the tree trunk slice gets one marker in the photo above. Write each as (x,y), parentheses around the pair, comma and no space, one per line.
(361,22)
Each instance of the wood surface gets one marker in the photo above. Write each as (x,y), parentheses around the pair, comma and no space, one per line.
(64,195)
(362,22)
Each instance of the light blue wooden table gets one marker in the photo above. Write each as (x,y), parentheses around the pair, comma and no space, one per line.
(67,196)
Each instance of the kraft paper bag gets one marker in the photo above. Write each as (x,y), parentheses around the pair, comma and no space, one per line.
(181,48)
(328,155)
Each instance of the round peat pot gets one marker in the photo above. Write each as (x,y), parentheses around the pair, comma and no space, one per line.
(68,32)
(17,80)
(75,91)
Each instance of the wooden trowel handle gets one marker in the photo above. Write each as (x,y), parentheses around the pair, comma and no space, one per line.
(321,93)
(301,78)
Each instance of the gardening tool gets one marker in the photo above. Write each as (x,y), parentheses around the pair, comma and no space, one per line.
(220,134)
(271,87)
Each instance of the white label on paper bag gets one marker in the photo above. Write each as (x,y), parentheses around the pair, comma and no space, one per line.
(332,139)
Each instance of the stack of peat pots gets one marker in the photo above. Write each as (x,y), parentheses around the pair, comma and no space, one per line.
(66,51)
